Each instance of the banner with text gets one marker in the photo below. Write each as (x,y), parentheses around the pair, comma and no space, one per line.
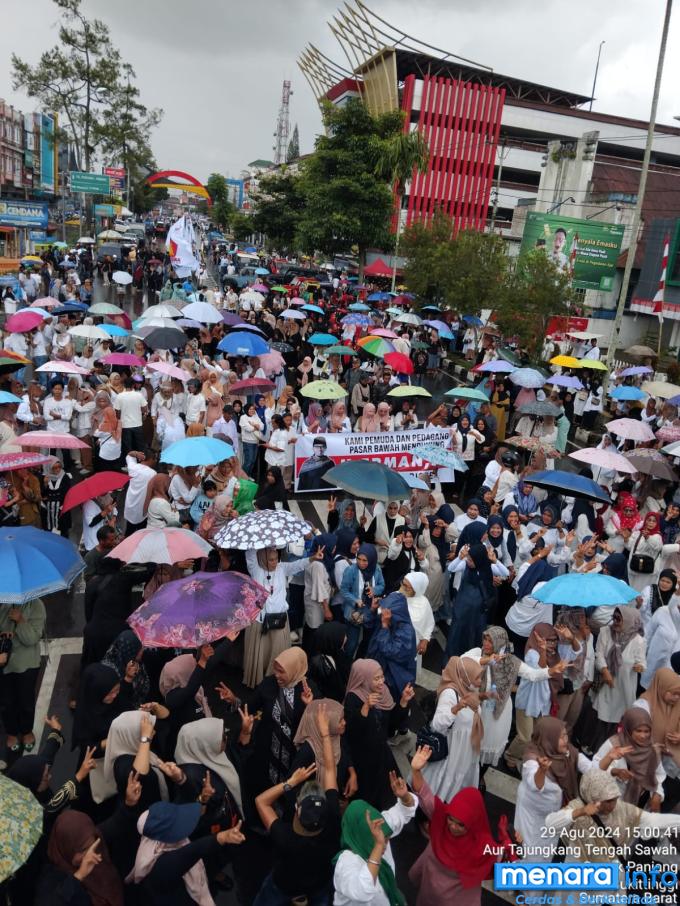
(315,454)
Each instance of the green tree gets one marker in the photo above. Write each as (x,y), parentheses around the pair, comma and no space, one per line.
(293,151)
(278,207)
(346,203)
(222,211)
(85,80)
(537,290)
(241,226)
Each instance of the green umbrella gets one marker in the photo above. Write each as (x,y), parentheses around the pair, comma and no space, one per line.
(416,344)
(21,825)
(468,393)
(323,390)
(341,350)
(508,355)
(409,390)
(279,289)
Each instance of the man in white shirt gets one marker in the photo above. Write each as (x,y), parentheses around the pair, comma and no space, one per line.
(141,469)
(57,412)
(594,351)
(131,408)
(226,426)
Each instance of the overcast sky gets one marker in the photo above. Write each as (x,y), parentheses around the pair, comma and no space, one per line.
(216,66)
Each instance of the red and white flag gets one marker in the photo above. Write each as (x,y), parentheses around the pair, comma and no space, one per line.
(658,297)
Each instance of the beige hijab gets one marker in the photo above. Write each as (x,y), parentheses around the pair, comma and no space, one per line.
(459,674)
(200,742)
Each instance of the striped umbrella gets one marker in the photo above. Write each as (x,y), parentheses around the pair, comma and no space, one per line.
(376,346)
(161,545)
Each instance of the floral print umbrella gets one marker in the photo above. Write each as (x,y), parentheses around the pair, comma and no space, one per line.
(260,529)
(198,609)
(21,825)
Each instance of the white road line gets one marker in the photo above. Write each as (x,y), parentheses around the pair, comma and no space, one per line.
(56,648)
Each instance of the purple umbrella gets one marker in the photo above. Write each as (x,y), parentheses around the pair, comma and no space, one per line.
(438,326)
(565,380)
(198,609)
(635,370)
(495,365)
(231,319)
(189,322)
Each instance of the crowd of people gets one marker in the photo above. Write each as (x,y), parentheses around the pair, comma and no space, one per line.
(286,760)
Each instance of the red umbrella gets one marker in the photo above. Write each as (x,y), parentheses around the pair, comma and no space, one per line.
(399,362)
(101,483)
(123,358)
(23,321)
(251,385)
(51,441)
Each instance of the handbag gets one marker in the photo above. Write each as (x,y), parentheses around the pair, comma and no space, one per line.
(436,741)
(641,563)
(274,621)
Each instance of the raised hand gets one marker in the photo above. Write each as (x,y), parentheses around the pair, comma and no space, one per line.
(53,723)
(171,770)
(398,785)
(233,835)
(617,752)
(373,699)
(332,501)
(89,764)
(247,721)
(301,774)
(225,693)
(90,861)
(421,758)
(207,790)
(318,553)
(322,720)
(146,725)
(307,694)
(407,694)
(375,827)
(133,791)
(592,808)
(544,763)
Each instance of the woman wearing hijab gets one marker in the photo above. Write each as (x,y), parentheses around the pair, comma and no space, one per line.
(343,516)
(458,718)
(339,422)
(524,500)
(393,643)
(403,556)
(97,707)
(310,748)
(662,631)
(644,546)
(56,484)
(369,421)
(623,521)
(329,667)
(500,406)
(630,756)
(617,822)
(384,528)
(476,595)
(655,596)
(281,698)
(182,687)
(125,657)
(620,655)
(107,433)
(272,494)
(168,866)
(304,371)
(319,579)
(414,587)
(580,672)
(550,777)
(461,852)
(160,513)
(362,584)
(372,718)
(313,418)
(550,647)
(128,748)
(365,867)
(516,537)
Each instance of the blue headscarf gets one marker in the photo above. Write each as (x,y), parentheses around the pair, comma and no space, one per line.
(526,503)
(259,408)
(617,566)
(472,534)
(328,542)
(396,602)
(495,520)
(540,571)
(480,574)
(344,539)
(343,521)
(368,550)
(511,538)
(439,542)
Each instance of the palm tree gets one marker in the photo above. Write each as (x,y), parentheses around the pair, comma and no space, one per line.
(397,159)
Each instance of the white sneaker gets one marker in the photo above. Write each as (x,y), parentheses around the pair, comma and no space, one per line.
(294,637)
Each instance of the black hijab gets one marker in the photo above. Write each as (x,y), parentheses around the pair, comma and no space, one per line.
(271,494)
(93,716)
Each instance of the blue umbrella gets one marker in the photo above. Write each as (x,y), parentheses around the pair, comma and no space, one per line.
(359,306)
(379,297)
(197,451)
(70,308)
(356,318)
(634,370)
(438,456)
(368,479)
(570,484)
(322,339)
(315,308)
(585,590)
(6,397)
(416,483)
(473,320)
(627,393)
(529,378)
(250,249)
(496,365)
(434,308)
(35,563)
(243,342)
(261,271)
(114,330)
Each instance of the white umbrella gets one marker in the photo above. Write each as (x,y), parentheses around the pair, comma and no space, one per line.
(122,278)
(105,308)
(170,370)
(605,459)
(409,318)
(203,312)
(251,296)
(90,332)
(110,234)
(154,322)
(63,367)
(293,313)
(630,429)
(161,311)
(85,240)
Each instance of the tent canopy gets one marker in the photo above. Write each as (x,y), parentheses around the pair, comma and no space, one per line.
(378,268)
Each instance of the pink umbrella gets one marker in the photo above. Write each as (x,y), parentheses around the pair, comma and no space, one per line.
(62,367)
(272,362)
(123,358)
(45,302)
(260,288)
(23,321)
(383,332)
(297,301)
(630,429)
(11,461)
(51,441)
(169,369)
(161,545)
(606,459)
(669,433)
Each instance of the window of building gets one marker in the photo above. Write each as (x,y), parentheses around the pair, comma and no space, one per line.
(673,275)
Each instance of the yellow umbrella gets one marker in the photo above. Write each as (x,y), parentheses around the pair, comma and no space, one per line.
(593,363)
(661,388)
(565,361)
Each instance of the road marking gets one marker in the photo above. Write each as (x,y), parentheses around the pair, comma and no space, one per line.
(56,648)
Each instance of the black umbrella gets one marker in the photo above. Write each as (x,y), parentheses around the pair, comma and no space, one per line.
(282,347)
(165,338)
(540,408)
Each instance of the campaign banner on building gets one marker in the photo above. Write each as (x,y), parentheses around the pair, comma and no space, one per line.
(23,214)
(48,153)
(315,454)
(585,249)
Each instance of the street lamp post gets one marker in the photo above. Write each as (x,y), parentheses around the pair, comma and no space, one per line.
(597,67)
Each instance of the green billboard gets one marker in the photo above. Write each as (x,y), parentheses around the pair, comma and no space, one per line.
(92,183)
(586,249)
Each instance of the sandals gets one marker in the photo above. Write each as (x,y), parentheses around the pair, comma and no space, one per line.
(28,746)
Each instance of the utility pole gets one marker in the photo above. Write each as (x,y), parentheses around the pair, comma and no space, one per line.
(637,213)
(597,66)
(494,210)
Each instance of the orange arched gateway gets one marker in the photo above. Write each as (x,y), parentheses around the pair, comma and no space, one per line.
(191,184)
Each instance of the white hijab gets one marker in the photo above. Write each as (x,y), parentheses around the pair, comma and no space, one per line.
(123,739)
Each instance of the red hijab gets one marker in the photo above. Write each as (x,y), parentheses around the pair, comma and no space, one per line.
(465,854)
(624,501)
(657,523)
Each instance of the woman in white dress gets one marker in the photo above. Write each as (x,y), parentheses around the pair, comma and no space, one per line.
(631,757)
(620,655)
(646,542)
(662,635)
(549,778)
(458,718)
